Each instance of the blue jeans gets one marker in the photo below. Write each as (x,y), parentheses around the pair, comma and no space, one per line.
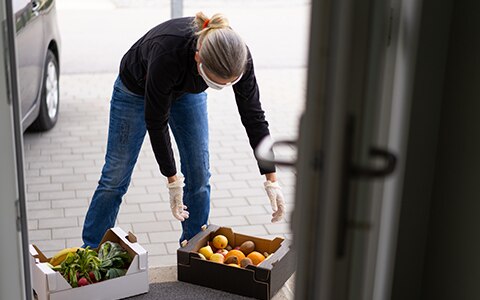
(189,124)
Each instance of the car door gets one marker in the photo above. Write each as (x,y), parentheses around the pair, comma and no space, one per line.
(30,51)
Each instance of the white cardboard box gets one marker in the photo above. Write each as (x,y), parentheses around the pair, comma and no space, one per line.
(50,285)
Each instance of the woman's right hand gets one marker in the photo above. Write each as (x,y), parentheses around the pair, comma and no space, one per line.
(175,189)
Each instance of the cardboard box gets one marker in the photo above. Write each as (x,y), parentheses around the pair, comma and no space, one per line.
(50,285)
(261,282)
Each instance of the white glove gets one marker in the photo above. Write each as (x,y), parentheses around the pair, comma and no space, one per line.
(175,190)
(277,201)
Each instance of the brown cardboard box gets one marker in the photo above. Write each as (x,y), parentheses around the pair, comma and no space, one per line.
(50,285)
(261,282)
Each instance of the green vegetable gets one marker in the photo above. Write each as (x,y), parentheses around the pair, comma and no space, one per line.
(88,266)
(80,264)
(114,260)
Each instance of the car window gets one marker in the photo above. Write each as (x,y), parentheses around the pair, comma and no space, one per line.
(19,4)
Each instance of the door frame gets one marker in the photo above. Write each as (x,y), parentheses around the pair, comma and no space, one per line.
(323,161)
(13,230)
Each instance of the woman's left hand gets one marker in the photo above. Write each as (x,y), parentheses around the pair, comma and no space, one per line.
(277,201)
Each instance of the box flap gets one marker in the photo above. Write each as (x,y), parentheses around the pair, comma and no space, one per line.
(283,247)
(35,252)
(55,280)
(116,234)
(195,243)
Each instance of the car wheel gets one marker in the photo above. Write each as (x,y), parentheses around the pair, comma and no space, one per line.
(50,97)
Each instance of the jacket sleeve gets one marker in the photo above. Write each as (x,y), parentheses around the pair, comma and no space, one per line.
(252,115)
(162,72)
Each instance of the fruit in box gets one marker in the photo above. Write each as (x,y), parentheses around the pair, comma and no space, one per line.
(206,251)
(256,257)
(222,252)
(60,256)
(219,250)
(247,247)
(237,253)
(220,241)
(232,260)
(217,257)
(245,262)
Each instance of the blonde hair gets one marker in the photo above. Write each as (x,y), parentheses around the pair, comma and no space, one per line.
(222,51)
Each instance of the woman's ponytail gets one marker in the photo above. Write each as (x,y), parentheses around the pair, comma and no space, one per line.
(222,50)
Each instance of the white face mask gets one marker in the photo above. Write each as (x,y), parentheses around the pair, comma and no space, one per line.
(213,84)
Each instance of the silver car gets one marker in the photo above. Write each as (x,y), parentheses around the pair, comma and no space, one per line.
(38,55)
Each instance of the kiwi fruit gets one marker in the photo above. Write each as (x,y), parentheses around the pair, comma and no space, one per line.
(245,262)
(247,247)
(231,260)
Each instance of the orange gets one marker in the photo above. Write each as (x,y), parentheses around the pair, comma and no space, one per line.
(239,254)
(256,257)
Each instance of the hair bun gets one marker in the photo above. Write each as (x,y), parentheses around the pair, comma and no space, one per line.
(205,24)
(217,21)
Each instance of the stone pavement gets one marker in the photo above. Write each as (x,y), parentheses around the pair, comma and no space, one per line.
(64,165)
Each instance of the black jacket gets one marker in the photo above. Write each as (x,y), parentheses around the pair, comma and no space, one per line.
(161,67)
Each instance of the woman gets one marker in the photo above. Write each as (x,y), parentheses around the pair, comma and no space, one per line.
(161,85)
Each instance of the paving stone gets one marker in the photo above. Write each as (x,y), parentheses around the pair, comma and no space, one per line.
(68,178)
(278,228)
(152,226)
(172,247)
(157,206)
(45,213)
(259,219)
(166,236)
(75,242)
(129,208)
(253,230)
(229,202)
(248,192)
(136,217)
(49,246)
(36,180)
(219,212)
(44,187)
(220,194)
(38,235)
(32,224)
(56,171)
(164,215)
(68,232)
(162,260)
(229,221)
(155,249)
(247,210)
(74,212)
(44,164)
(56,223)
(34,205)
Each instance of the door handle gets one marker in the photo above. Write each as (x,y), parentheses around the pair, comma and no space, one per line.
(390,161)
(264,152)
(353,171)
